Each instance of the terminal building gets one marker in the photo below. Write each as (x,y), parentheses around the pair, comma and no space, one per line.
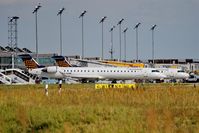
(7,53)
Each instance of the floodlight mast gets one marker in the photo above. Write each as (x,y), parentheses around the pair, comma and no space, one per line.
(82,16)
(13,32)
(119,23)
(125,30)
(60,14)
(111,51)
(153,50)
(136,28)
(102,21)
(12,36)
(35,12)
(14,18)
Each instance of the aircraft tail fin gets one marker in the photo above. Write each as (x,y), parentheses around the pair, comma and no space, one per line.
(61,61)
(29,62)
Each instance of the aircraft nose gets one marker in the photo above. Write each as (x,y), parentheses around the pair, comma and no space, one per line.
(162,76)
(183,75)
(186,75)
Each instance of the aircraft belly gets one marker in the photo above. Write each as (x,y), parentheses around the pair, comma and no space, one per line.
(116,76)
(86,76)
(52,75)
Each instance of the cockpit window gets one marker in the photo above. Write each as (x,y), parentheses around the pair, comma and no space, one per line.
(155,71)
(180,71)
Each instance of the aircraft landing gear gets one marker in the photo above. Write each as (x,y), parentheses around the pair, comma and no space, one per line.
(84,81)
(113,82)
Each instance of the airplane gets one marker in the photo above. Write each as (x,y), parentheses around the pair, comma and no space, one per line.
(170,73)
(173,73)
(85,74)
(105,73)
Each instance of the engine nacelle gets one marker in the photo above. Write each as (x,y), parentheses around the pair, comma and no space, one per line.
(52,69)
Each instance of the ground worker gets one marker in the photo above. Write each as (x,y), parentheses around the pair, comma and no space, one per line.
(60,85)
(46,89)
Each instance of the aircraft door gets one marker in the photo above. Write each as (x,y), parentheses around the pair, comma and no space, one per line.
(146,75)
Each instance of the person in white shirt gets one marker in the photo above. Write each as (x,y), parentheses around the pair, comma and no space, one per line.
(60,85)
(46,88)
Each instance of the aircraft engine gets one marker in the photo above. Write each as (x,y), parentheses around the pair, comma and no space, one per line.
(52,69)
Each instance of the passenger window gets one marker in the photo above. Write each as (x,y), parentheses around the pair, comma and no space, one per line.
(155,71)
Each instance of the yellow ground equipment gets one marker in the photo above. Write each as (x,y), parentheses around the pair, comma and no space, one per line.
(107,86)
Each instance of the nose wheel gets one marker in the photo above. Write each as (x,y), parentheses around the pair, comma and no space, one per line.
(114,82)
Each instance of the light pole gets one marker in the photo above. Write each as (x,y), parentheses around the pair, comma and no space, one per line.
(125,30)
(35,12)
(136,28)
(82,16)
(152,29)
(102,21)
(119,23)
(111,51)
(60,13)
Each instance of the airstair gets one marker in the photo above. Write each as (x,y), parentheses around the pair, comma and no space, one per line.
(5,79)
(18,76)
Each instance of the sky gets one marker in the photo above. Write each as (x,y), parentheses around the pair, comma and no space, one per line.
(176,34)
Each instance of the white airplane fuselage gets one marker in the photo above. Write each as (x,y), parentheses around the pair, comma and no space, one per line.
(173,73)
(110,73)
